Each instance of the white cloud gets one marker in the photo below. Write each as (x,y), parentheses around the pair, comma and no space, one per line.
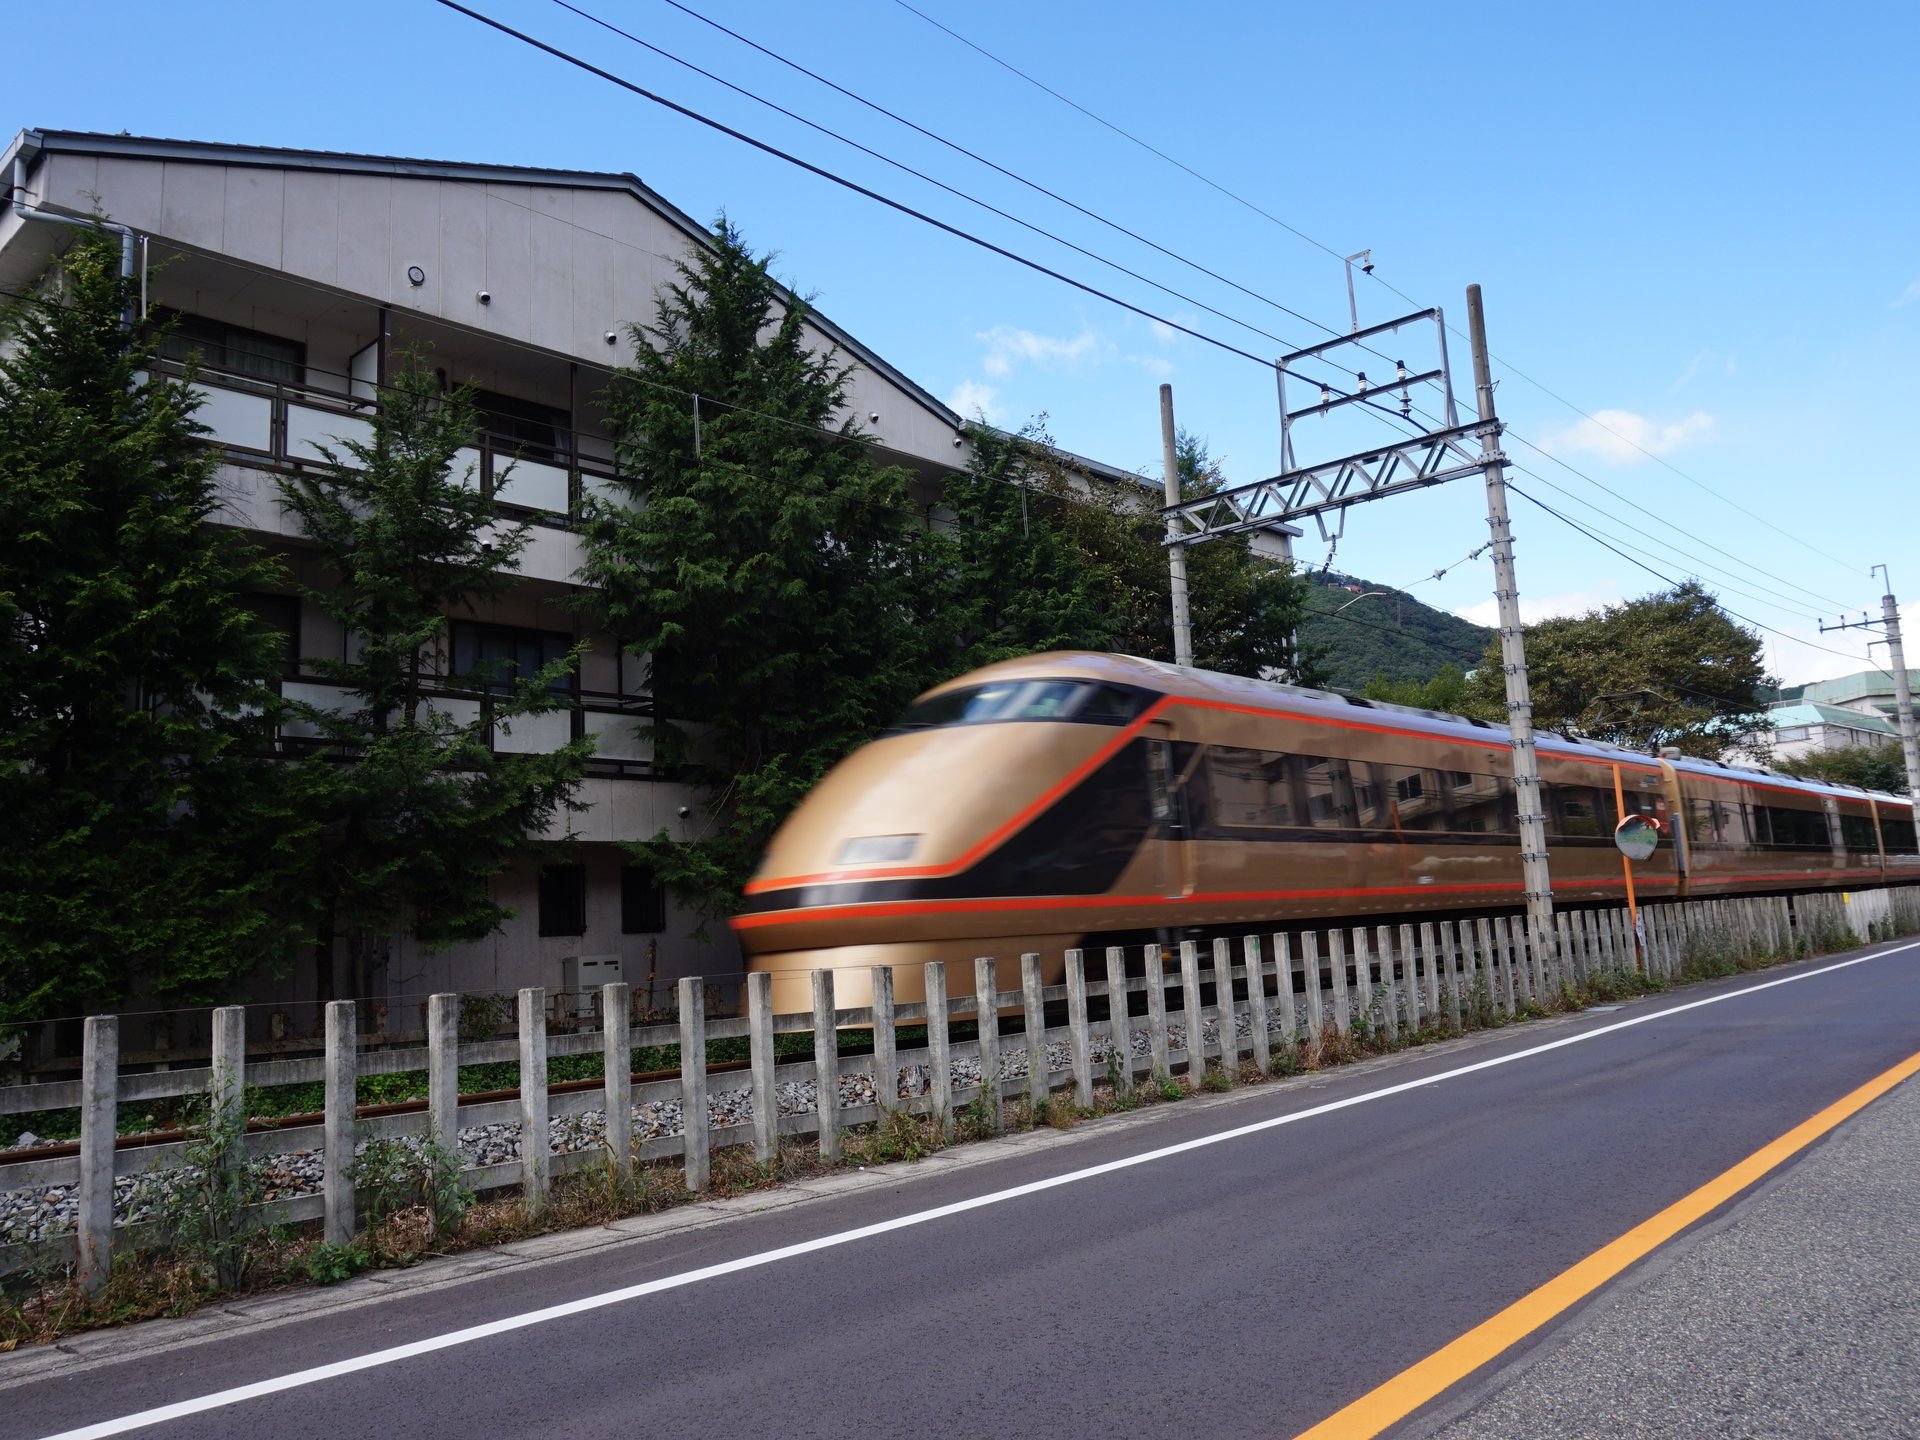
(977,401)
(1624,438)
(1908,295)
(1706,362)
(1157,366)
(1534,609)
(1008,345)
(1163,332)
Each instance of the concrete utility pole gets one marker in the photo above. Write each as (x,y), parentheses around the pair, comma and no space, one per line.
(1176,552)
(1897,658)
(1513,654)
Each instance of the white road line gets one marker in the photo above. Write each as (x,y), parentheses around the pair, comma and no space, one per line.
(298,1378)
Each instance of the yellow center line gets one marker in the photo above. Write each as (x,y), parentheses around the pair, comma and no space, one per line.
(1416,1385)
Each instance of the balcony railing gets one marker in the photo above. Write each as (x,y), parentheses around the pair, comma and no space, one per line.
(265,422)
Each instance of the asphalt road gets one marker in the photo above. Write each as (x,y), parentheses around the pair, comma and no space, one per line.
(1251,1286)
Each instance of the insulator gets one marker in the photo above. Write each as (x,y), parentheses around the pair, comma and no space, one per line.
(1362,378)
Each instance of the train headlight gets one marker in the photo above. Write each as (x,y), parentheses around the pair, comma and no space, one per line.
(877,849)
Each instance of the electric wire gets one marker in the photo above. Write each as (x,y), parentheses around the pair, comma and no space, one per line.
(998,168)
(890,203)
(1135,139)
(1743,619)
(1384,282)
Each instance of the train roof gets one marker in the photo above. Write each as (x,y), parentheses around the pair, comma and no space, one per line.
(1240,689)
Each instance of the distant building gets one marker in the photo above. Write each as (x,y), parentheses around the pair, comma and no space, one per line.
(1827,715)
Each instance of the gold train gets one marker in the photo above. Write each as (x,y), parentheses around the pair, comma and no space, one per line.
(1086,799)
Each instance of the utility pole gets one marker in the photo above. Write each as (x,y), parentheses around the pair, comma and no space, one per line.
(1902,690)
(1435,454)
(1176,551)
(1513,654)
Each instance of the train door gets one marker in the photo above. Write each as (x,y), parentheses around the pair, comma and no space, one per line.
(1167,793)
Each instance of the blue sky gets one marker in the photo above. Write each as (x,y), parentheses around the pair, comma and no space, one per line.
(1697,223)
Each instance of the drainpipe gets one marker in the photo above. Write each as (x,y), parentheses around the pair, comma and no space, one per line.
(47,217)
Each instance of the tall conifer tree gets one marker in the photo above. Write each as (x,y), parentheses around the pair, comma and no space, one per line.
(774,574)
(147,841)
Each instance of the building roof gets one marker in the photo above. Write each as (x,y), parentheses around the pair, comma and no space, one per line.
(29,144)
(1808,712)
(1862,685)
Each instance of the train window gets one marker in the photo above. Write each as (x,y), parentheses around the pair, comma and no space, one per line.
(1416,802)
(1249,787)
(1857,832)
(1780,828)
(1899,835)
(1012,700)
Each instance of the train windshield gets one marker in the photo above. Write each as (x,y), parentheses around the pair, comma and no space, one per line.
(1082,701)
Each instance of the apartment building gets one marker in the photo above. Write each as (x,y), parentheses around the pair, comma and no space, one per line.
(301,278)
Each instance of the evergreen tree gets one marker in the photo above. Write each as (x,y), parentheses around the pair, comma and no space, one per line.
(1017,581)
(146,837)
(420,814)
(776,577)
(1667,669)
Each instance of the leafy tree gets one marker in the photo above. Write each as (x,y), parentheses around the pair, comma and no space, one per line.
(779,580)
(1017,583)
(419,812)
(1389,636)
(1448,691)
(1668,669)
(1873,767)
(146,838)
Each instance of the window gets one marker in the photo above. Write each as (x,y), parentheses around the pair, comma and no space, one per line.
(1778,827)
(279,615)
(643,901)
(525,427)
(1249,787)
(563,900)
(1579,811)
(1899,835)
(234,349)
(1856,831)
(1010,700)
(1791,733)
(496,658)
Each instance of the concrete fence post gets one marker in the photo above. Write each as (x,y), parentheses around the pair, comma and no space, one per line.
(336,1161)
(99,1127)
(1337,964)
(1389,988)
(695,1140)
(1157,1043)
(1430,989)
(1079,1037)
(1316,999)
(986,1001)
(1562,950)
(1509,982)
(1192,1015)
(1255,970)
(1291,1023)
(443,1072)
(226,1098)
(1448,939)
(536,1140)
(886,1062)
(1225,1008)
(1362,998)
(616,1069)
(1119,1022)
(826,1065)
(1033,1021)
(761,1060)
(939,1051)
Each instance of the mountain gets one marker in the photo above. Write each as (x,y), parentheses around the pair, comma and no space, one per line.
(1389,633)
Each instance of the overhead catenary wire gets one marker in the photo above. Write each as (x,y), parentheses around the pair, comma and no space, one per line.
(1379,279)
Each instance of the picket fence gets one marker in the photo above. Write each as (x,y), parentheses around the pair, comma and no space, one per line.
(1293,990)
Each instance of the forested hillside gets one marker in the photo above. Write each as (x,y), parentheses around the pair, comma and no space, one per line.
(1389,634)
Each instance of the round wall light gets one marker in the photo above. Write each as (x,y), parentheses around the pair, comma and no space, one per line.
(416,277)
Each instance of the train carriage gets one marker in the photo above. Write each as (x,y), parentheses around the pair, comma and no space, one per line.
(1086,799)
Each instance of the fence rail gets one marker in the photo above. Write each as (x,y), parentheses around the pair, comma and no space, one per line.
(1133,1015)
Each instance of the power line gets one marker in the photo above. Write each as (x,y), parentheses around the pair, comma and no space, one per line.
(1124,134)
(1793,639)
(921,175)
(954,230)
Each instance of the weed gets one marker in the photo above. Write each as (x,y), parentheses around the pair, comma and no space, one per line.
(900,1135)
(330,1262)
(1165,1087)
(1217,1080)
(201,1209)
